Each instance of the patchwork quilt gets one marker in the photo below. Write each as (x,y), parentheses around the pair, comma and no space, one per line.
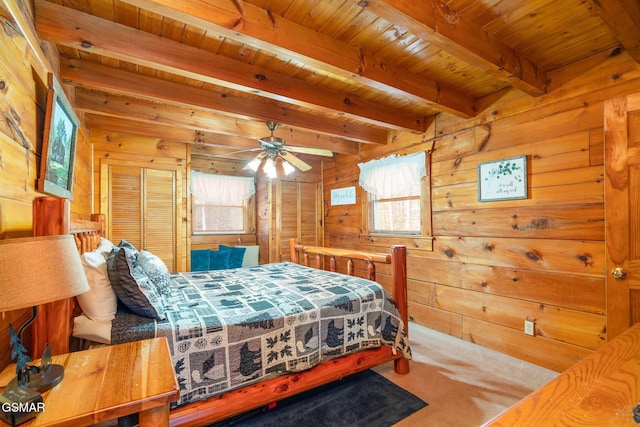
(231,328)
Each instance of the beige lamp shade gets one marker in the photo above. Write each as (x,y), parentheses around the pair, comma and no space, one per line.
(39,270)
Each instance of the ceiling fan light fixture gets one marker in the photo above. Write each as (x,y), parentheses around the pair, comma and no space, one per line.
(269,168)
(254,164)
(287,167)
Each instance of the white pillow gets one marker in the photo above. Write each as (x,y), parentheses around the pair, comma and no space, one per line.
(100,302)
(105,247)
(92,330)
(251,254)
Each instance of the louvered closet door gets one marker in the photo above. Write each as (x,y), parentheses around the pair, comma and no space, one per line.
(160,214)
(125,205)
(142,209)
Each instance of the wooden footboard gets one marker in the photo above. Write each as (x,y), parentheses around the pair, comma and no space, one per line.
(397,258)
(51,216)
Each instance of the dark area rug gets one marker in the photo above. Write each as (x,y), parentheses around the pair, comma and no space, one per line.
(365,399)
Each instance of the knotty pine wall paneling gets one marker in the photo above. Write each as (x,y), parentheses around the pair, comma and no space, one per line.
(23,75)
(495,264)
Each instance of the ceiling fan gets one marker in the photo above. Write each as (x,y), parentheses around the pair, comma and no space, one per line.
(274,147)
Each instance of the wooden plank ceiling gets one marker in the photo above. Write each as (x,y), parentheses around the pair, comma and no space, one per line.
(333,73)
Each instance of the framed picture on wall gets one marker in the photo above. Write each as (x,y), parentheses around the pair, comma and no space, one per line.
(504,179)
(58,143)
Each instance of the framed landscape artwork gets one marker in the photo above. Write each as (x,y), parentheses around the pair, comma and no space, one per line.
(58,143)
(504,179)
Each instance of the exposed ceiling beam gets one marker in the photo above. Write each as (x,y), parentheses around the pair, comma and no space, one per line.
(257,27)
(246,107)
(82,31)
(169,133)
(623,17)
(436,23)
(200,126)
(112,130)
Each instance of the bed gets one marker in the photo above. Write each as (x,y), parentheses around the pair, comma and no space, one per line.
(295,346)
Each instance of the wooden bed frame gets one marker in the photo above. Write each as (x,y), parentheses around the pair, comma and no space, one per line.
(51,216)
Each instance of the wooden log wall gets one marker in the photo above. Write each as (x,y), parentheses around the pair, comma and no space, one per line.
(23,77)
(495,264)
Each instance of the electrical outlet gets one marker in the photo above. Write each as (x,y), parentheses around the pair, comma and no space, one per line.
(530,327)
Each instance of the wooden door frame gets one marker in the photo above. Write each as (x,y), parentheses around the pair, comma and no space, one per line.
(616,203)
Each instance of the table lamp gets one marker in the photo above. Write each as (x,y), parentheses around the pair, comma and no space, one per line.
(34,271)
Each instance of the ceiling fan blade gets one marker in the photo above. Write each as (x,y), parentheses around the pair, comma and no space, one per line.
(307,150)
(257,158)
(231,153)
(294,161)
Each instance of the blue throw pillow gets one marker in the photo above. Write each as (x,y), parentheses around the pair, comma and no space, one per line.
(200,260)
(218,260)
(236,255)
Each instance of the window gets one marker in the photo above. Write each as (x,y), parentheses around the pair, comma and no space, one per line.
(221,203)
(396,192)
(396,215)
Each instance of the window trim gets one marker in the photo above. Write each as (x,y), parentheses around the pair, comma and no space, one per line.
(426,228)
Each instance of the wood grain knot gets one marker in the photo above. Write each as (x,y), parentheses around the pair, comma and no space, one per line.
(534,256)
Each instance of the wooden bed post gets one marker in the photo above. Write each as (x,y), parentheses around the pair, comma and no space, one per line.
(293,252)
(399,282)
(52,325)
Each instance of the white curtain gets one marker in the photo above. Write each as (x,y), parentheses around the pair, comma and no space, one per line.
(392,176)
(221,189)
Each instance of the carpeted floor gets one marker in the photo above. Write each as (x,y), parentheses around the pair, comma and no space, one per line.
(366,399)
(465,384)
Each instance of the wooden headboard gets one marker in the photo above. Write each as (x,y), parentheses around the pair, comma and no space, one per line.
(54,323)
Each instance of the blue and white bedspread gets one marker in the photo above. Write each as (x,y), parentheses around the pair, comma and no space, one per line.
(230,328)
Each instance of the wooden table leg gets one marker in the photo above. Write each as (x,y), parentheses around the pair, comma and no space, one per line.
(158,416)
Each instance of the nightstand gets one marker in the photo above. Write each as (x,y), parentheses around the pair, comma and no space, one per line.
(109,382)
